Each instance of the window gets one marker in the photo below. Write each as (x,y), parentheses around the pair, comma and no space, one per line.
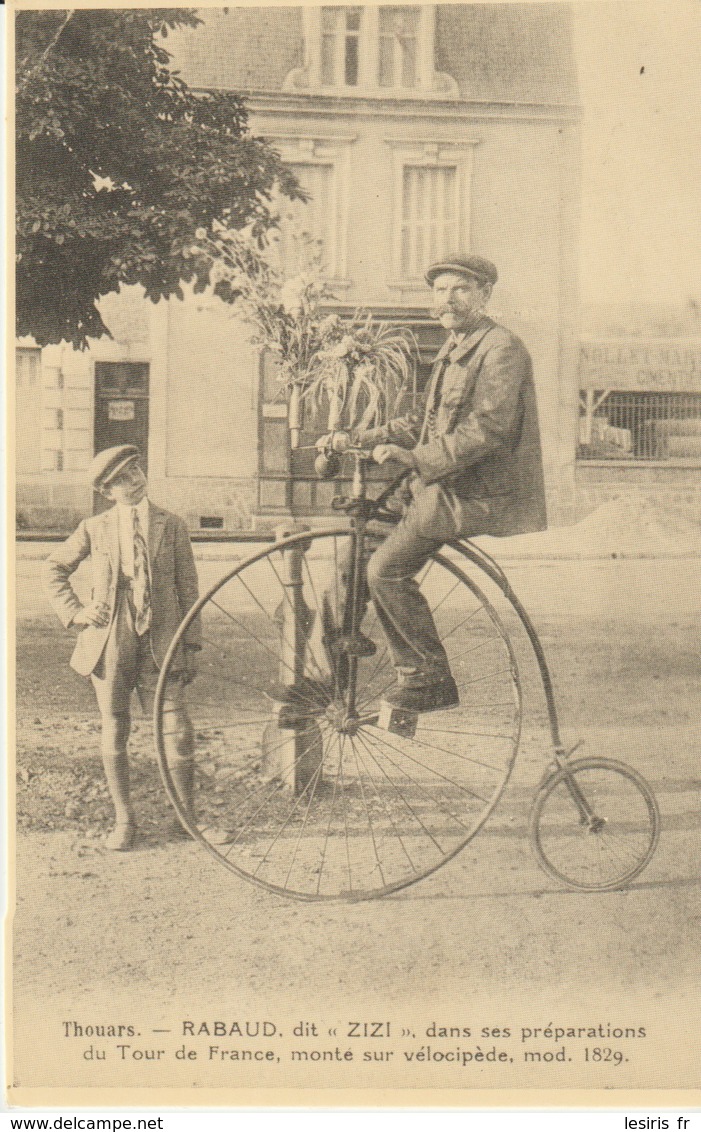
(28,416)
(398,55)
(300,222)
(625,425)
(340,46)
(27,366)
(430,205)
(365,49)
(322,165)
(640,399)
(121,378)
(429,215)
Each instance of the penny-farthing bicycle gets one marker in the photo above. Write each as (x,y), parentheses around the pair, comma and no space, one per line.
(328,792)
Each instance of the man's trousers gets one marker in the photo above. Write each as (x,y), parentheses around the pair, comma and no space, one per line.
(433,517)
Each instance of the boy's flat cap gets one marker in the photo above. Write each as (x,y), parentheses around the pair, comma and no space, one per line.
(108,463)
(475,265)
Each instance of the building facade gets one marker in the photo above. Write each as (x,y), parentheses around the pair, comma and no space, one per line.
(417,130)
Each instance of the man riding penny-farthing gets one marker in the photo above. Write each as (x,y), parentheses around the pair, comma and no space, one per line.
(360,705)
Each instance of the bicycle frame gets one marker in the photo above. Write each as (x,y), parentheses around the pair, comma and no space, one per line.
(305,778)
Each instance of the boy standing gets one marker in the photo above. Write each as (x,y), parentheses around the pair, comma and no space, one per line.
(144,582)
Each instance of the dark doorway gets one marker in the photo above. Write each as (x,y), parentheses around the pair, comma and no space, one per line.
(121,410)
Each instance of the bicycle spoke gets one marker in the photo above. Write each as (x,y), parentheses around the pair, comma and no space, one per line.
(345,810)
(473,648)
(437,773)
(476,734)
(461,758)
(384,655)
(383,803)
(303,698)
(375,743)
(315,777)
(274,787)
(367,810)
(301,629)
(199,726)
(462,624)
(481,679)
(328,831)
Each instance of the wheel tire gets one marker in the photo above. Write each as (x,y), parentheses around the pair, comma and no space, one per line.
(588,856)
(317,813)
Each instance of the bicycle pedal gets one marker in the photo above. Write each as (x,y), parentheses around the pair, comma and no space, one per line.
(356,646)
(398,721)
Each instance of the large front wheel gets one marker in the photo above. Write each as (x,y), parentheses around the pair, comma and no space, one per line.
(323,802)
(595,825)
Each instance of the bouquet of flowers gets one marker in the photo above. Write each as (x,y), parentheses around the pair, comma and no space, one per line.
(358,367)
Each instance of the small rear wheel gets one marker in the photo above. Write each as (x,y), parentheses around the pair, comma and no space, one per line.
(595,825)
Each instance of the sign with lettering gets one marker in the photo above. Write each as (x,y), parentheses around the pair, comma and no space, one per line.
(120,410)
(673,365)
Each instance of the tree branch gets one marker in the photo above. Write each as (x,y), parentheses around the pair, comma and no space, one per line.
(52,43)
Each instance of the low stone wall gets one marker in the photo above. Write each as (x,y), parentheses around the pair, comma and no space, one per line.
(670,487)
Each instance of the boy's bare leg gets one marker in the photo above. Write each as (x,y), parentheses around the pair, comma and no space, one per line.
(113,681)
(179,748)
(115,735)
(178,742)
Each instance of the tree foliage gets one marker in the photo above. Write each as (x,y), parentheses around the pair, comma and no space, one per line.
(118,163)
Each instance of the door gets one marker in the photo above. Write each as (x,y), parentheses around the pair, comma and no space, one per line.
(121,411)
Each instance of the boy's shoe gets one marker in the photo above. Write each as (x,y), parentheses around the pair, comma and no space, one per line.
(439,696)
(122,837)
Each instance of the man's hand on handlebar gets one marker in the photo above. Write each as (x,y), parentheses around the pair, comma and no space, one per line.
(338,442)
(382,453)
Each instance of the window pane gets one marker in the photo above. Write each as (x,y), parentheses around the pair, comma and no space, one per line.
(328,68)
(408,47)
(351,60)
(429,216)
(353,19)
(388,20)
(406,252)
(329,17)
(400,22)
(386,65)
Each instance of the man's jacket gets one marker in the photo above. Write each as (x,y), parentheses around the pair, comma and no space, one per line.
(484,442)
(174,587)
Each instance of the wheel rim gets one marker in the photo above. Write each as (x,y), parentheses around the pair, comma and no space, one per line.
(609,851)
(323,811)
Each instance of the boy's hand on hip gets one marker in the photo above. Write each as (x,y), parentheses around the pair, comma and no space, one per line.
(96,614)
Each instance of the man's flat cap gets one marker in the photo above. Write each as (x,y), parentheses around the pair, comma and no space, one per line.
(482,269)
(110,462)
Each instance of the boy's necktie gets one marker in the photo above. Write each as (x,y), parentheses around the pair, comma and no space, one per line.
(142,582)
